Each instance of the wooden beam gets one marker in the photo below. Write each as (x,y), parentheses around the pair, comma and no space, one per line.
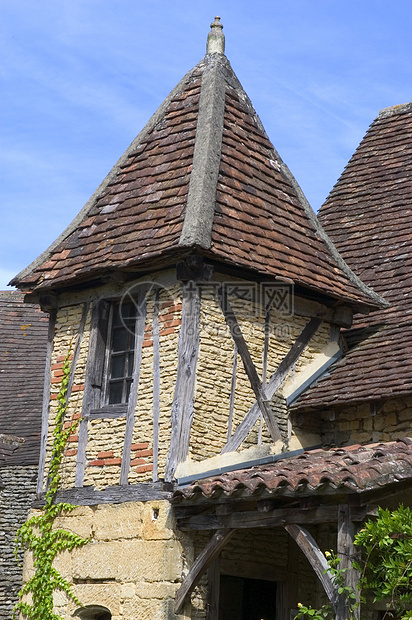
(346,552)
(255,519)
(213,590)
(273,384)
(134,388)
(232,393)
(261,397)
(156,384)
(182,406)
(46,403)
(200,565)
(89,496)
(76,349)
(316,558)
(265,355)
(93,380)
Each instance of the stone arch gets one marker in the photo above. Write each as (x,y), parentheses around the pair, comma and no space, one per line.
(93,612)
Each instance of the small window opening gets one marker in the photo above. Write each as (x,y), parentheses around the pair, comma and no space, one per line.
(121,353)
(93,612)
(155,514)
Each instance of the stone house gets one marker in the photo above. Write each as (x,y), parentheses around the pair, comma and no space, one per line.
(23,336)
(201,299)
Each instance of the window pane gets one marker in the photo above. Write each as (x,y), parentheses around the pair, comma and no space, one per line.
(115,393)
(118,366)
(120,340)
(130,365)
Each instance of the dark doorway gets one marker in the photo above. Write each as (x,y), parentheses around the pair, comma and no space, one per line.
(246,599)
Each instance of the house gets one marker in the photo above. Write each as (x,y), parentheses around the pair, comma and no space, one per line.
(200,299)
(23,334)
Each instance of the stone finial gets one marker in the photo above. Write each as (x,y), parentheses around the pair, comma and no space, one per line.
(216,38)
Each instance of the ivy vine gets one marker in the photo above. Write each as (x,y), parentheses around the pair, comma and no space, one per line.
(41,537)
(385,567)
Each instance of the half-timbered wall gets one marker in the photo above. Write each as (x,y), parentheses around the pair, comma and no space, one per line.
(222,392)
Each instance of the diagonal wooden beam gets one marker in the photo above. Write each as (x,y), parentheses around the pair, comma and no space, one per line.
(248,364)
(317,560)
(273,384)
(200,565)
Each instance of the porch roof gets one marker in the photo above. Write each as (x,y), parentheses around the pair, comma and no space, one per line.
(344,470)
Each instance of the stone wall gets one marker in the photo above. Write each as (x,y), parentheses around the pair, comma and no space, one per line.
(17,490)
(137,559)
(133,564)
(368,422)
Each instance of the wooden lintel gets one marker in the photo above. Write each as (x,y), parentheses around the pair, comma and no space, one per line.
(255,518)
(255,382)
(200,565)
(316,558)
(89,496)
(273,384)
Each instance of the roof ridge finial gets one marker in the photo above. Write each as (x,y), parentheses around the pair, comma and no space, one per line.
(216,38)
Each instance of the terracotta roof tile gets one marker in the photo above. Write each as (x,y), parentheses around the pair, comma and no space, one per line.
(23,337)
(350,469)
(202,175)
(368,215)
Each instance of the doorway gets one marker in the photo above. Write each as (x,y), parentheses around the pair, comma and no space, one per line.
(242,598)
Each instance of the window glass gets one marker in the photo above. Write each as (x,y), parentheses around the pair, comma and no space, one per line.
(121,353)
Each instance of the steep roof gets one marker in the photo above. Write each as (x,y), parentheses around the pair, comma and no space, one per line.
(202,175)
(368,216)
(23,338)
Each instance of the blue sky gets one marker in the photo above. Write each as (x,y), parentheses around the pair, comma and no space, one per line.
(80,78)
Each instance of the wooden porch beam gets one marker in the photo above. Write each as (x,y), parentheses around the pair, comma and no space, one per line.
(346,552)
(261,398)
(273,384)
(317,560)
(254,518)
(200,565)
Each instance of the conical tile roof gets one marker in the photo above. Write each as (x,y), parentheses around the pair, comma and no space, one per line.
(201,176)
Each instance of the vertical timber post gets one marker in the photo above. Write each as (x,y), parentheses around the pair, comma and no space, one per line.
(346,552)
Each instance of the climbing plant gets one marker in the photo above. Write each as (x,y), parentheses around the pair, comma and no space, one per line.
(39,534)
(385,567)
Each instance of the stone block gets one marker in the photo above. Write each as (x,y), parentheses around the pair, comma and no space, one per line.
(105,594)
(158,521)
(79,521)
(118,521)
(129,560)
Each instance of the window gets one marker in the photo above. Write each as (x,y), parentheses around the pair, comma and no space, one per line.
(120,353)
(111,357)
